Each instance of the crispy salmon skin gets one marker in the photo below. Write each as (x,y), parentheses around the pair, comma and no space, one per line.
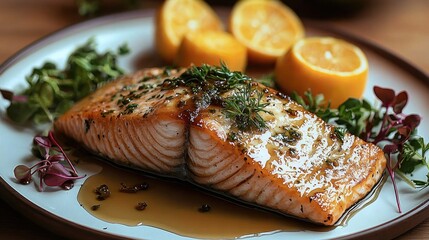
(221,130)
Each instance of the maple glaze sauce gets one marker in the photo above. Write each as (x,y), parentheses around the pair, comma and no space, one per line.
(176,207)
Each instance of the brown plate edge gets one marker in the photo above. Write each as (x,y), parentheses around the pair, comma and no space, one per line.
(47,220)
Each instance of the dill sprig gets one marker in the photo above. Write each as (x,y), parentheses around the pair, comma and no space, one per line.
(206,77)
(244,107)
(209,83)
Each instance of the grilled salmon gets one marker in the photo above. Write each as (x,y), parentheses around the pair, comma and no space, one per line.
(221,130)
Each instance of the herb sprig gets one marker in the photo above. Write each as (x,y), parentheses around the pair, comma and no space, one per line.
(208,83)
(52,91)
(387,127)
(206,77)
(244,107)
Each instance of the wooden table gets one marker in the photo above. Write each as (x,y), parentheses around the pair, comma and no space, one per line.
(399,26)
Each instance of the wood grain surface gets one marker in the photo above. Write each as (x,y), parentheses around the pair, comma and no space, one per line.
(401,27)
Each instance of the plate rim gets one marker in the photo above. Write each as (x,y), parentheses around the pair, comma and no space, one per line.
(390,229)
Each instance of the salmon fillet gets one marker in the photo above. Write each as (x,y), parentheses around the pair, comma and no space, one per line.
(278,156)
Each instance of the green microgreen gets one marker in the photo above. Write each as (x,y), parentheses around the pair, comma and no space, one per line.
(52,91)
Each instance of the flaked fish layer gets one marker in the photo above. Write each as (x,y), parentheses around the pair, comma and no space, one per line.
(295,164)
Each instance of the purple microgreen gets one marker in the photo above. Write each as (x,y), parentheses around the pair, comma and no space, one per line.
(401,101)
(391,172)
(54,142)
(50,168)
(404,133)
(22,174)
(395,130)
(56,158)
(8,95)
(56,175)
(390,148)
(43,141)
(412,121)
(386,96)
(20,98)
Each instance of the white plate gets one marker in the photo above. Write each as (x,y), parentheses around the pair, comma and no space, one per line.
(136,28)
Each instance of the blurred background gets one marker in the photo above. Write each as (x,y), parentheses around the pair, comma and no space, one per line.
(396,25)
(401,27)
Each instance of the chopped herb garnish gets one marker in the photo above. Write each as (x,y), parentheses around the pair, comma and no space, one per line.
(134,105)
(289,136)
(340,132)
(130,108)
(123,101)
(232,136)
(292,151)
(104,113)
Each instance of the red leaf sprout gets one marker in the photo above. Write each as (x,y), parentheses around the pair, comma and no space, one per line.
(396,129)
(51,168)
